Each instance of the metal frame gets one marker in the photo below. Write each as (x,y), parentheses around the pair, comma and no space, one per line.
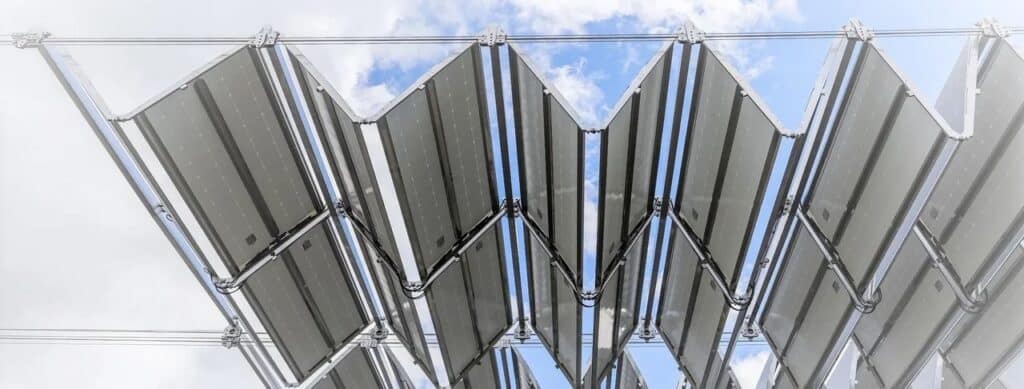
(94,110)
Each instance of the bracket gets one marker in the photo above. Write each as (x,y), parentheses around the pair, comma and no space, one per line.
(265,37)
(749,331)
(689,33)
(647,332)
(493,36)
(835,263)
(991,28)
(232,335)
(971,302)
(522,333)
(857,30)
(28,40)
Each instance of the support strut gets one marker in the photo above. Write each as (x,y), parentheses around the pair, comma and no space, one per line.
(835,263)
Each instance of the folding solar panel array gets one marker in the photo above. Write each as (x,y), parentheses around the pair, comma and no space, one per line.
(889,228)
(730,148)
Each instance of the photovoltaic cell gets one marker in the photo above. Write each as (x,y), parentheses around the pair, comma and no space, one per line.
(224,142)
(346,149)
(550,165)
(438,146)
(876,164)
(975,208)
(629,148)
(730,149)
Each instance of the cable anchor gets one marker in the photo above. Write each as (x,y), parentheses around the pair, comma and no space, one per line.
(857,30)
(265,37)
(991,28)
(493,36)
(232,335)
(28,40)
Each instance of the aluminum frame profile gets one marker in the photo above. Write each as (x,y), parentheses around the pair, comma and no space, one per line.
(886,335)
(613,252)
(263,66)
(426,90)
(629,373)
(939,154)
(551,100)
(120,149)
(743,96)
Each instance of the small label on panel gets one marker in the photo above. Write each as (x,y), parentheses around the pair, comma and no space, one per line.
(938,285)
(835,286)
(251,239)
(440,241)
(306,245)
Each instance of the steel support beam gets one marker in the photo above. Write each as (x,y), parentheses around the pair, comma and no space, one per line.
(969,301)
(835,263)
(736,303)
(92,107)
(324,368)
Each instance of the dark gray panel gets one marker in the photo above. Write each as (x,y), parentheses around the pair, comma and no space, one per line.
(677,287)
(438,146)
(615,318)
(550,143)
(731,150)
(468,324)
(630,144)
(357,371)
(880,148)
(409,142)
(975,203)
(222,139)
(318,261)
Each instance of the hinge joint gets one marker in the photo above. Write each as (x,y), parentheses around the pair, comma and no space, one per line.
(265,37)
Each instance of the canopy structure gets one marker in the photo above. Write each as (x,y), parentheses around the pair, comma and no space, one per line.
(894,229)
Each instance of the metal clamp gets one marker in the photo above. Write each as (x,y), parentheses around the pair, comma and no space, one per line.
(707,262)
(857,30)
(493,36)
(970,302)
(265,37)
(991,28)
(835,263)
(522,333)
(28,40)
(689,33)
(232,335)
(647,332)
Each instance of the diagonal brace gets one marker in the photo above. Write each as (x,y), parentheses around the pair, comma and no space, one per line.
(707,262)
(969,301)
(835,263)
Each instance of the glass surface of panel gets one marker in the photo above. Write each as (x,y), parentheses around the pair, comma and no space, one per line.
(482,375)
(880,149)
(629,374)
(680,269)
(524,376)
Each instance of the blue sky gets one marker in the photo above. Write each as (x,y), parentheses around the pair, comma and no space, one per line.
(591,76)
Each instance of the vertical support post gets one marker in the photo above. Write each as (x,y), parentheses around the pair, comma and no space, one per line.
(138,176)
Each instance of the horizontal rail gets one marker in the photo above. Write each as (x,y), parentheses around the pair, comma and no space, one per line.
(969,301)
(15,38)
(707,262)
(272,252)
(835,263)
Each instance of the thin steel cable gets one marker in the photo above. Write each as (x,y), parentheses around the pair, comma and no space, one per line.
(525,38)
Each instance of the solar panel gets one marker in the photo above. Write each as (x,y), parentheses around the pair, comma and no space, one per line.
(629,147)
(991,340)
(438,145)
(550,164)
(482,375)
(354,371)
(975,213)
(225,143)
(878,162)
(729,152)
(346,150)
(402,375)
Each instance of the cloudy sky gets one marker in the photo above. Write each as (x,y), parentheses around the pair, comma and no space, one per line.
(77,250)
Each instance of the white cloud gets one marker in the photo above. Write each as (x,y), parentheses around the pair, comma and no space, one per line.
(748,370)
